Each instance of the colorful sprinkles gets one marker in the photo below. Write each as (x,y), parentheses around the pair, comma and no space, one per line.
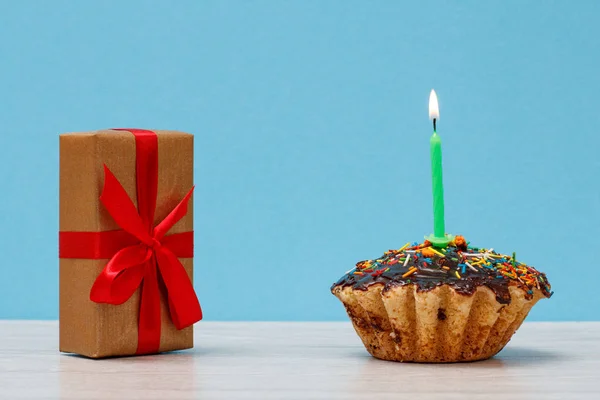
(458,261)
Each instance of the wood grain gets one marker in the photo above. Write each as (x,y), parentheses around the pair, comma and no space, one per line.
(281,360)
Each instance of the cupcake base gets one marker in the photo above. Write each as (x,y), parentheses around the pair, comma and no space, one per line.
(436,326)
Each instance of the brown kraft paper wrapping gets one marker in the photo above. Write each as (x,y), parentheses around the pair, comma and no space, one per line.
(104,330)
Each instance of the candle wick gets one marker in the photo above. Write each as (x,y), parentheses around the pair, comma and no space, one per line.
(434,125)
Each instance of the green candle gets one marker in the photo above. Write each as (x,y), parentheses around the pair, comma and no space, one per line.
(435,147)
(439,237)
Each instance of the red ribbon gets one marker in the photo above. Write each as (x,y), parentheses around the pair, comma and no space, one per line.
(139,253)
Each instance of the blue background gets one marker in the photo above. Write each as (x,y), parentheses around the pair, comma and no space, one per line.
(312,136)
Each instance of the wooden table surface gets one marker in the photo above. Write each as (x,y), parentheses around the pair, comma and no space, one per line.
(298,360)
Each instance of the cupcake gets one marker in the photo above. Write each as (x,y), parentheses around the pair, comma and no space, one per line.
(427,304)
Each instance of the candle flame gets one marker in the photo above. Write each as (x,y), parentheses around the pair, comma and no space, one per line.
(434,110)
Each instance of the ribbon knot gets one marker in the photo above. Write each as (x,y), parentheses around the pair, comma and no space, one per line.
(155,244)
(149,257)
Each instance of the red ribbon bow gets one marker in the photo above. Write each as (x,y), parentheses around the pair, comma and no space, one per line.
(139,252)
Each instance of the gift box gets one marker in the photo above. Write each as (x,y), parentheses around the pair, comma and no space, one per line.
(126,242)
